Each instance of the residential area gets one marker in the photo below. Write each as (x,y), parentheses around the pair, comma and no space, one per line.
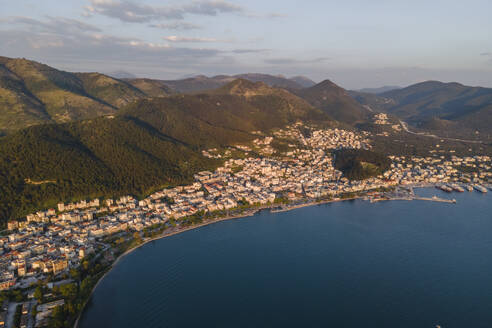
(47,244)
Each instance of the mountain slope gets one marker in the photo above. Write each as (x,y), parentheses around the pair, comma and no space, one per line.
(116,93)
(334,101)
(303,81)
(223,116)
(379,90)
(450,109)
(32,93)
(152,88)
(436,99)
(148,144)
(203,83)
(275,106)
(42,165)
(61,93)
(18,107)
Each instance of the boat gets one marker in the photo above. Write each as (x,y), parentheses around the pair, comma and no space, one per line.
(480,188)
(446,188)
(470,188)
(457,188)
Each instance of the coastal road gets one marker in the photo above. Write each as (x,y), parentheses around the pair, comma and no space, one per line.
(423,134)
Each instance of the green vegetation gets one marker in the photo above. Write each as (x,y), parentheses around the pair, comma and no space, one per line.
(32,93)
(150,144)
(335,102)
(96,158)
(447,109)
(359,164)
(77,293)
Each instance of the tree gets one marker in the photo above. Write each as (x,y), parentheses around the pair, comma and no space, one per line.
(75,274)
(85,265)
(38,294)
(69,290)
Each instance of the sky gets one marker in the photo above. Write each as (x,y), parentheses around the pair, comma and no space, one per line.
(355,43)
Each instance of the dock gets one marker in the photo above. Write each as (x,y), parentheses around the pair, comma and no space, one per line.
(436,199)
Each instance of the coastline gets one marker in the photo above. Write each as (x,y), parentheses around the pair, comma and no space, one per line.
(227,218)
(209,222)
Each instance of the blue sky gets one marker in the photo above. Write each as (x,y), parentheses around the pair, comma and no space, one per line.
(355,43)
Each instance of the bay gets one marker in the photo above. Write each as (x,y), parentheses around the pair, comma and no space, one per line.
(345,264)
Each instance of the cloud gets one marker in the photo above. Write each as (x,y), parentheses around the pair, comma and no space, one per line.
(175,38)
(487,54)
(83,47)
(176,26)
(291,61)
(51,25)
(276,15)
(129,11)
(249,51)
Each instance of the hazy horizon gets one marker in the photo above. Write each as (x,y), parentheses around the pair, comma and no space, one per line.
(355,44)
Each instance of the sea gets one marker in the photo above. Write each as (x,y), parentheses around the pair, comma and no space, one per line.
(344,264)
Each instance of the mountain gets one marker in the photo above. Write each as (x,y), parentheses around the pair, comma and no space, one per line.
(303,81)
(61,94)
(334,101)
(121,75)
(438,106)
(45,164)
(386,88)
(18,106)
(148,144)
(116,93)
(33,93)
(372,101)
(271,80)
(202,83)
(198,83)
(152,88)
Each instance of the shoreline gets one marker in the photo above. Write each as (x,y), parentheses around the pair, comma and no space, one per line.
(203,224)
(227,218)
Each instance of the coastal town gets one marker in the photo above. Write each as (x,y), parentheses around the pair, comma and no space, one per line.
(47,244)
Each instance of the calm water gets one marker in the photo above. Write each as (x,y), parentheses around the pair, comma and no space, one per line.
(350,264)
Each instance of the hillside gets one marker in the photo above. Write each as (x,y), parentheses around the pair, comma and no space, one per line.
(150,143)
(360,164)
(451,108)
(379,90)
(275,106)
(334,101)
(203,83)
(303,81)
(152,88)
(91,158)
(18,106)
(116,93)
(32,93)
(62,94)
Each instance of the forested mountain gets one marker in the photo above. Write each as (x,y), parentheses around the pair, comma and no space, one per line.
(437,106)
(152,88)
(379,90)
(334,101)
(203,83)
(150,143)
(32,93)
(303,81)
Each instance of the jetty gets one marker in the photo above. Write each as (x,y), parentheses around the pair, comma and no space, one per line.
(436,199)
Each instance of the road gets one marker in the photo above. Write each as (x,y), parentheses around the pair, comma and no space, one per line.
(423,134)
(9,321)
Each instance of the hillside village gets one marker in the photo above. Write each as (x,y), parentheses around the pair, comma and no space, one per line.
(49,243)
